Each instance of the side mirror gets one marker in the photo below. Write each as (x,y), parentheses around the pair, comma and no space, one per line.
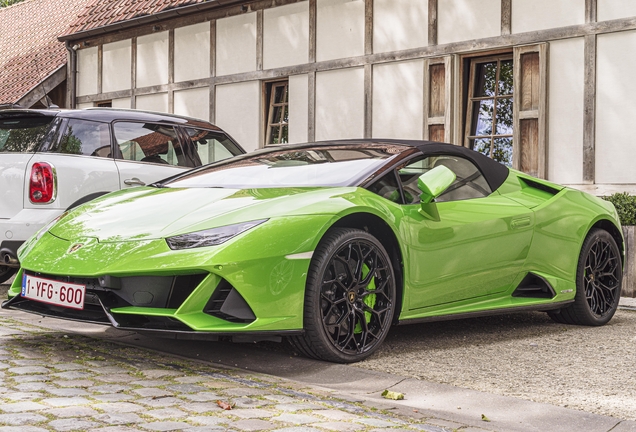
(434,182)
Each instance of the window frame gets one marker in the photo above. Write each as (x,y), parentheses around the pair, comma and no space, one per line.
(470,99)
(270,104)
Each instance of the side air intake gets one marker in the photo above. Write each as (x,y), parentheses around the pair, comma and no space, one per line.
(534,286)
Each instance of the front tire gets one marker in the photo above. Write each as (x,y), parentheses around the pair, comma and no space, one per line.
(598,282)
(349,298)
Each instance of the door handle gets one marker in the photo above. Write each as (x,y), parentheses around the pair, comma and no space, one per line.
(134,182)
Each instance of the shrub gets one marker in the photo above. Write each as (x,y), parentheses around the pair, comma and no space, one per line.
(625,206)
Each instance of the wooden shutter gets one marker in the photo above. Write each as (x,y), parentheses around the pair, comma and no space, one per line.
(530,132)
(437,99)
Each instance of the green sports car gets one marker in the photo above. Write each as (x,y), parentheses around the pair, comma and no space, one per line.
(327,244)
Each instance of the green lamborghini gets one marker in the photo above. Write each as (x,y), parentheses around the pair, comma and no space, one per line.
(328,245)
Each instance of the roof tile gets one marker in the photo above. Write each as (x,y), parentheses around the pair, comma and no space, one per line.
(101,13)
(29,49)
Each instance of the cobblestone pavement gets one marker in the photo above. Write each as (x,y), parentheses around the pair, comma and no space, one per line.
(51,381)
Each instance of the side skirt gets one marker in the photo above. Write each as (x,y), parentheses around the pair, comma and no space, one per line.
(490,312)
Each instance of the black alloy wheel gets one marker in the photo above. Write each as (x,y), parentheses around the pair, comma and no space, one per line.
(598,282)
(350,297)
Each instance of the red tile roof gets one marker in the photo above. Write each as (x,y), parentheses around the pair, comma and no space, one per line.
(29,49)
(100,13)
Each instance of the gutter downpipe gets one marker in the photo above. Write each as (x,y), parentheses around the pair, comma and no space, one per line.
(72,74)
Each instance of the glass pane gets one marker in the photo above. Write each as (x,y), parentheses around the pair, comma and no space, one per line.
(504,116)
(481,145)
(86,138)
(482,117)
(283,136)
(276,115)
(505,78)
(502,151)
(274,136)
(485,76)
(286,115)
(387,187)
(147,142)
(280,94)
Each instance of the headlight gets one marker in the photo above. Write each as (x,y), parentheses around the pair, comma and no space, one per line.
(211,237)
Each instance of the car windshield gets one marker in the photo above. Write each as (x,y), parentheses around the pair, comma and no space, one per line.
(22,134)
(300,167)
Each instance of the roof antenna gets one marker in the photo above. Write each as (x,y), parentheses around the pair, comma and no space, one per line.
(47,99)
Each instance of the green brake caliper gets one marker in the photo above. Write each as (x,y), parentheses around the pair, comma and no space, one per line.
(369,300)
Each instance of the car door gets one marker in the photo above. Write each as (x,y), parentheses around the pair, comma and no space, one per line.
(475,246)
(148,152)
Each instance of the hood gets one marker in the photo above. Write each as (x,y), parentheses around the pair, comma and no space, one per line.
(151,213)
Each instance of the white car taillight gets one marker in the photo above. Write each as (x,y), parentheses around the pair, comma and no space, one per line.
(42,183)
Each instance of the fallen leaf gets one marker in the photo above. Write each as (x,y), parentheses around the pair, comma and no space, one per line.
(387,394)
(224,405)
(484,418)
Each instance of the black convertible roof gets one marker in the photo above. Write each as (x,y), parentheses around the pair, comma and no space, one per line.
(494,172)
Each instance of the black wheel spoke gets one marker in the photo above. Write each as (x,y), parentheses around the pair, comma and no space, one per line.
(601,277)
(357,291)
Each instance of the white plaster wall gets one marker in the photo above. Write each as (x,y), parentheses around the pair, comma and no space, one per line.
(193,103)
(566,81)
(192,52)
(236,44)
(121,103)
(340,104)
(339,29)
(615,9)
(286,35)
(462,20)
(530,15)
(238,111)
(153,102)
(116,66)
(398,94)
(152,59)
(87,71)
(298,108)
(84,105)
(399,24)
(615,108)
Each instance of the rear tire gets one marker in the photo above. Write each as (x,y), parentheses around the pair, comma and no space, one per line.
(6,273)
(598,282)
(349,298)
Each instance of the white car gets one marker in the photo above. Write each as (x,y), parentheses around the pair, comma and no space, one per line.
(54,160)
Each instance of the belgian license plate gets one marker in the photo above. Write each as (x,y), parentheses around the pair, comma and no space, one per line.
(53,292)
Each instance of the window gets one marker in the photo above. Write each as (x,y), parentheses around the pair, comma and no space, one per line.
(83,137)
(489,125)
(104,104)
(469,184)
(212,146)
(277,115)
(153,143)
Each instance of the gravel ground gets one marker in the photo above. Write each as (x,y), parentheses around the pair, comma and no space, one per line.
(523,355)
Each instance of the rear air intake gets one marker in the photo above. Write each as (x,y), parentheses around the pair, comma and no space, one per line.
(226,303)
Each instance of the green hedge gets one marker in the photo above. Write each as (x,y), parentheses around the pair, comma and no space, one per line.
(625,206)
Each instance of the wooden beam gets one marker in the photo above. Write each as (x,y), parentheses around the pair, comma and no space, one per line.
(312,31)
(368,101)
(432,22)
(133,72)
(259,40)
(368,27)
(589,110)
(212,71)
(311,110)
(49,83)
(171,69)
(506,17)
(590,11)
(100,68)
